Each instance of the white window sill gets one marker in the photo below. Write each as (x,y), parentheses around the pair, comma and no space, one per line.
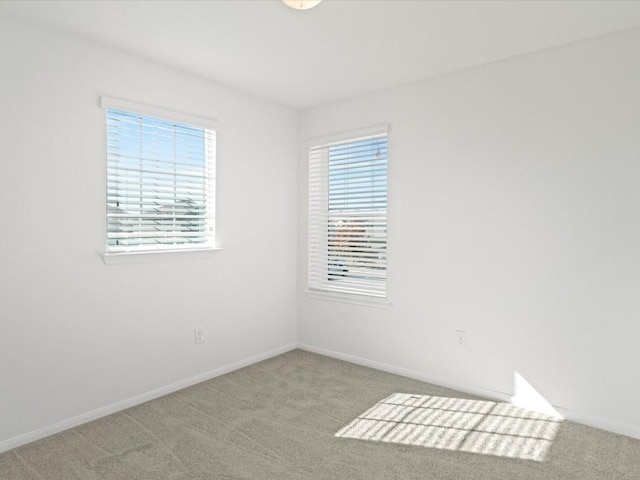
(363,300)
(147,257)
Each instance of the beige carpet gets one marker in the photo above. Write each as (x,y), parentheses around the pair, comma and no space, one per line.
(305,416)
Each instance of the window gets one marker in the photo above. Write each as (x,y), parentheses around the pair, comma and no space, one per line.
(348,214)
(160,181)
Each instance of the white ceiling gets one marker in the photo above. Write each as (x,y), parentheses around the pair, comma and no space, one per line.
(339,49)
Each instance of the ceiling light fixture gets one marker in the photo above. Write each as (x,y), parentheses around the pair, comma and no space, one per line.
(301,4)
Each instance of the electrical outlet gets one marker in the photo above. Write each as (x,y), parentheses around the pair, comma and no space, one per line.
(200,335)
(461,338)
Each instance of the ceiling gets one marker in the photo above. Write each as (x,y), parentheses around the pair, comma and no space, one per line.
(339,49)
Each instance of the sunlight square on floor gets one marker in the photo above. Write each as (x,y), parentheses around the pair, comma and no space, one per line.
(449,423)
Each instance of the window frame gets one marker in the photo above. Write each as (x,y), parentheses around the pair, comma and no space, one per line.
(318,268)
(141,255)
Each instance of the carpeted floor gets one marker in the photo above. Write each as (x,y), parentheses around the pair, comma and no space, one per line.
(305,416)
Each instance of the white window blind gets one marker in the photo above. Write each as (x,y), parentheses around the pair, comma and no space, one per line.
(160,183)
(348,214)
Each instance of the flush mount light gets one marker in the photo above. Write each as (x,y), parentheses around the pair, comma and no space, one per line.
(301,4)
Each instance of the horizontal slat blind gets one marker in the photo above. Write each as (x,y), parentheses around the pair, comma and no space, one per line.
(348,214)
(160,184)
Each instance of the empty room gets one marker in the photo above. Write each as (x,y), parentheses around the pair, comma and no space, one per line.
(320,239)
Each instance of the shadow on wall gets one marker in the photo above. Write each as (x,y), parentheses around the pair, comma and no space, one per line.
(474,426)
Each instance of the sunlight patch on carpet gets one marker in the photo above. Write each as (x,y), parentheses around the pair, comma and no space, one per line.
(474,426)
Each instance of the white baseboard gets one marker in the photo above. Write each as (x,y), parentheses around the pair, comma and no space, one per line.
(585,419)
(136,400)
(602,423)
(405,372)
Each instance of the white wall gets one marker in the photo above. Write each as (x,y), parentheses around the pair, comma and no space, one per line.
(76,335)
(514,214)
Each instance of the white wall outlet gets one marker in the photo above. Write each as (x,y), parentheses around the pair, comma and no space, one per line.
(461,338)
(199,335)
